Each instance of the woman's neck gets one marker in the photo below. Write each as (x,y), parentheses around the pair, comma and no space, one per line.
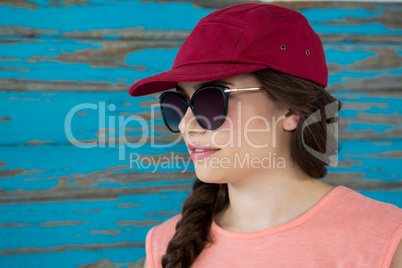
(262,202)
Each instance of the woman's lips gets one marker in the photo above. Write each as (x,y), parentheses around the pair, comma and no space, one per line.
(198,151)
(199,155)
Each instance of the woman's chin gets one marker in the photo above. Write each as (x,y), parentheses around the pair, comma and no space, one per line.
(209,176)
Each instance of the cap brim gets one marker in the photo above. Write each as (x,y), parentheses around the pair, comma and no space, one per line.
(191,73)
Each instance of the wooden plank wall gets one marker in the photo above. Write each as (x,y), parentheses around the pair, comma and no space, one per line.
(67,204)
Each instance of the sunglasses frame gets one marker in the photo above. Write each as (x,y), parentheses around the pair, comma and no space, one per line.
(190,103)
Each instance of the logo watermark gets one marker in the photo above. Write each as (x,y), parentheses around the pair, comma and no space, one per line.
(116,127)
(175,162)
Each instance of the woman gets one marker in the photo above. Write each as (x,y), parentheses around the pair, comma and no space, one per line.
(251,104)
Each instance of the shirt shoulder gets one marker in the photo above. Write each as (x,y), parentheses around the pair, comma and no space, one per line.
(158,238)
(366,220)
(364,209)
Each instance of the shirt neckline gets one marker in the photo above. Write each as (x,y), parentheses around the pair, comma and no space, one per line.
(215,228)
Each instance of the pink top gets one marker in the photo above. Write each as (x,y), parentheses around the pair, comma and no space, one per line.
(344,229)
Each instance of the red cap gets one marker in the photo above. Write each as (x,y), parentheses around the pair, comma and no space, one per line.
(241,39)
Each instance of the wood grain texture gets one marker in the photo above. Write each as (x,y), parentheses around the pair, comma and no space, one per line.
(87,197)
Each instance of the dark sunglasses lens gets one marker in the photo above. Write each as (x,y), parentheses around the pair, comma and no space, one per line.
(172,110)
(209,107)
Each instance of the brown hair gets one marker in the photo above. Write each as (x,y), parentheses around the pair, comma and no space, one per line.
(207,199)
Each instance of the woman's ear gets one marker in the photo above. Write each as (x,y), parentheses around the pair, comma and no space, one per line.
(291,120)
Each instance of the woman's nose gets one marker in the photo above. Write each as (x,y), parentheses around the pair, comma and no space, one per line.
(188,123)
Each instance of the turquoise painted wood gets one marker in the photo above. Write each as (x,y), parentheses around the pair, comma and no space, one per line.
(87,197)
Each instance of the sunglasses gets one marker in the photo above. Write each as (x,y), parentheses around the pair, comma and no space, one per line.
(209,105)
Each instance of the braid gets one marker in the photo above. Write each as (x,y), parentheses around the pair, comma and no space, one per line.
(192,230)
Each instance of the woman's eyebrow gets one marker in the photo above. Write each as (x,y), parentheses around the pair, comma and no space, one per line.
(209,83)
(221,82)
(179,89)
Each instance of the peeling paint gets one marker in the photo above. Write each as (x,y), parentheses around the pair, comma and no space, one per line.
(8,59)
(162,213)
(14,69)
(19,4)
(39,142)
(151,103)
(102,246)
(87,211)
(105,232)
(371,83)
(85,194)
(349,163)
(136,33)
(363,105)
(21,31)
(128,205)
(11,84)
(15,225)
(360,38)
(104,132)
(390,19)
(168,138)
(108,264)
(5,119)
(69,3)
(112,55)
(392,154)
(7,173)
(30,99)
(138,223)
(362,58)
(61,223)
